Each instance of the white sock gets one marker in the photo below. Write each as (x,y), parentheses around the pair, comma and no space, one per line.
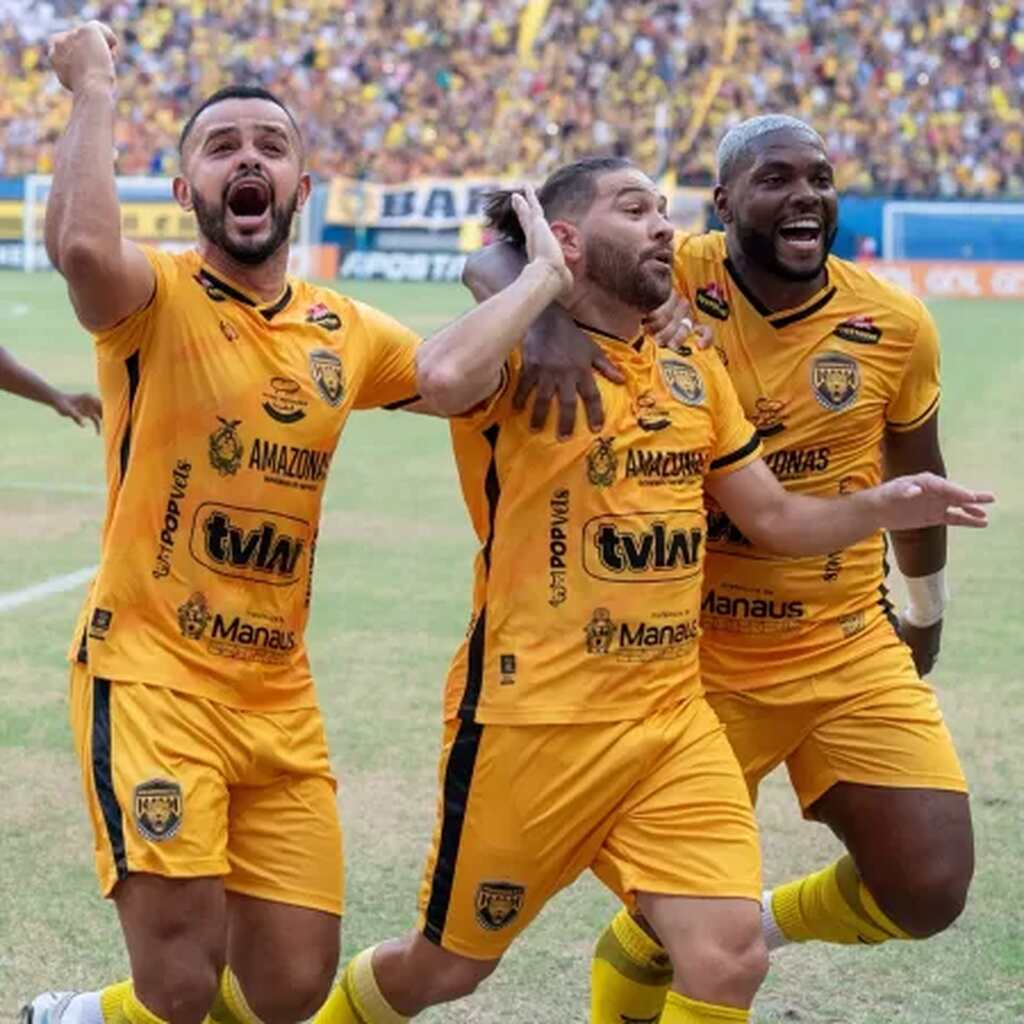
(83,1009)
(773,934)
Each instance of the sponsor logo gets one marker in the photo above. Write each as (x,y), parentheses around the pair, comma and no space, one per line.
(172,518)
(767,416)
(323,317)
(644,547)
(860,329)
(193,617)
(226,447)
(649,415)
(835,380)
(797,463)
(602,463)
(833,567)
(638,641)
(711,299)
(283,401)
(664,466)
(288,465)
(158,808)
(235,637)
(852,624)
(684,381)
(558,546)
(328,375)
(750,614)
(228,330)
(498,904)
(99,624)
(600,632)
(249,543)
(507,667)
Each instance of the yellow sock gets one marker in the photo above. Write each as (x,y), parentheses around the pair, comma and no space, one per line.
(135,1013)
(357,998)
(629,975)
(832,905)
(112,1002)
(680,1009)
(230,1006)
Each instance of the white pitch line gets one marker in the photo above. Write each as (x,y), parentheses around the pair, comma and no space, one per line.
(54,486)
(57,585)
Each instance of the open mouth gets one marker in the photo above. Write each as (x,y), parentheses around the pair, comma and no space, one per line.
(663,257)
(249,200)
(803,234)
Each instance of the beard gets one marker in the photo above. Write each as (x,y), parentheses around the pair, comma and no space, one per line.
(620,272)
(759,248)
(212,224)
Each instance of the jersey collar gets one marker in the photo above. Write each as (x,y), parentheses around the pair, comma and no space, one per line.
(208,279)
(784,317)
(634,343)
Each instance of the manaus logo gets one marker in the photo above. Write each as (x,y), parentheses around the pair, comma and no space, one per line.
(328,375)
(498,904)
(835,380)
(226,447)
(158,808)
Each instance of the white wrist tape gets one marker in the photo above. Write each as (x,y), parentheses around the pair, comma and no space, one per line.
(927,599)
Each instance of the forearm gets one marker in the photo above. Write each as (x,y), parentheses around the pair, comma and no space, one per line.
(492,268)
(799,524)
(20,380)
(918,552)
(461,364)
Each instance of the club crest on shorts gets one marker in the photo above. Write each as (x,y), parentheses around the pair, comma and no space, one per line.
(158,808)
(498,904)
(226,448)
(328,375)
(602,463)
(684,381)
(835,380)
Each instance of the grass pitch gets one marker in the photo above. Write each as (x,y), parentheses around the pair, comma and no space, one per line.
(391,600)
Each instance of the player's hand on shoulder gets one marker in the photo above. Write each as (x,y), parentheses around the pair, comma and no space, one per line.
(82,408)
(926,499)
(673,326)
(82,54)
(924,642)
(541,245)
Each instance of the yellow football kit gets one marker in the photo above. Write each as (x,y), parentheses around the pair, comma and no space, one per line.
(792,644)
(577,732)
(221,416)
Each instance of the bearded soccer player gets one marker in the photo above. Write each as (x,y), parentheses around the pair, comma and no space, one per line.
(803,659)
(20,380)
(226,386)
(576,734)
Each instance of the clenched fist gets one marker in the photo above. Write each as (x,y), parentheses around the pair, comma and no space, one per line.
(83,54)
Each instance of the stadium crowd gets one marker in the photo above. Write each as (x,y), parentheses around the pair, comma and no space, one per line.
(913,97)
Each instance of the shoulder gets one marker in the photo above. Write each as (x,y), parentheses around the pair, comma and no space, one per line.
(706,248)
(904,312)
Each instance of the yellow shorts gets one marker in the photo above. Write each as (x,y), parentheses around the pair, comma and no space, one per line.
(655,805)
(183,787)
(872,721)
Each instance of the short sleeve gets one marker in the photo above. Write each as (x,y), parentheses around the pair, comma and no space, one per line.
(390,377)
(737,443)
(918,394)
(498,405)
(131,334)
(679,263)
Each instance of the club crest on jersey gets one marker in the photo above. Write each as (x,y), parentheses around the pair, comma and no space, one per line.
(328,375)
(600,631)
(193,617)
(711,299)
(860,329)
(158,809)
(684,381)
(323,317)
(835,380)
(602,463)
(498,904)
(226,448)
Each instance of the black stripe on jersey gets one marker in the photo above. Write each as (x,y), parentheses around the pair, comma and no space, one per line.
(789,318)
(802,314)
(747,293)
(103,774)
(458,776)
(132,367)
(232,293)
(269,312)
(883,601)
(918,420)
(402,402)
(739,453)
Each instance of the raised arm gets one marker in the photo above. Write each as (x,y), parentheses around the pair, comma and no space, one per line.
(798,524)
(20,380)
(108,277)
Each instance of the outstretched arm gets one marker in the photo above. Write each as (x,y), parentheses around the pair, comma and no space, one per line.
(108,277)
(20,380)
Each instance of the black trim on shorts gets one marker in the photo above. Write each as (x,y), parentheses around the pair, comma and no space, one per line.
(132,367)
(740,453)
(401,403)
(458,777)
(103,774)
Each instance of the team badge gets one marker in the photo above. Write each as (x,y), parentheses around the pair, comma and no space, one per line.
(684,381)
(323,317)
(835,380)
(711,299)
(602,463)
(328,375)
(767,416)
(158,808)
(498,904)
(226,447)
(860,329)
(599,632)
(194,617)
(649,416)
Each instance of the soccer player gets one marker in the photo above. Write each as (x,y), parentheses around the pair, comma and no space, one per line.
(20,380)
(226,385)
(576,732)
(804,660)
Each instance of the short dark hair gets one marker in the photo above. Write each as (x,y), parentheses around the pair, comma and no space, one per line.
(567,193)
(237,91)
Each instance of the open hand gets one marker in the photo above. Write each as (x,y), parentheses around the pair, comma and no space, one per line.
(672,325)
(541,244)
(83,53)
(80,408)
(925,499)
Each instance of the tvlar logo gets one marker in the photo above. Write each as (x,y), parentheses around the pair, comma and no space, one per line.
(644,547)
(158,809)
(328,375)
(684,381)
(226,447)
(498,904)
(835,380)
(602,463)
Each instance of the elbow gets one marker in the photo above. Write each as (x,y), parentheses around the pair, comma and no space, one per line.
(442,386)
(82,259)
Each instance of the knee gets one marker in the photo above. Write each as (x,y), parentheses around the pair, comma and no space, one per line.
(927,902)
(181,987)
(294,987)
(457,978)
(726,969)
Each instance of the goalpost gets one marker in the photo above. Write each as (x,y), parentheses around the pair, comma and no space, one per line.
(937,230)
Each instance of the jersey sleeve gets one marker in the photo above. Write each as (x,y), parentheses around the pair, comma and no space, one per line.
(132,333)
(737,443)
(680,244)
(498,405)
(918,394)
(390,378)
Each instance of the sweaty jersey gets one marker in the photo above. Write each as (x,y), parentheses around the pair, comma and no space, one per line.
(221,417)
(587,587)
(822,383)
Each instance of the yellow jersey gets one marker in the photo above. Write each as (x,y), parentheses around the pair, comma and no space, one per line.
(586,594)
(822,383)
(221,417)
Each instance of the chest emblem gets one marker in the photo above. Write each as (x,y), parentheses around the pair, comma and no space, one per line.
(226,447)
(835,380)
(328,375)
(602,463)
(684,381)
(323,317)
(860,329)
